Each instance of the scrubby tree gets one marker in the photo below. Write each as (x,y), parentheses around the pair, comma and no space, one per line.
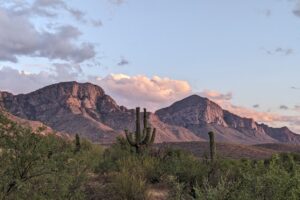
(41,166)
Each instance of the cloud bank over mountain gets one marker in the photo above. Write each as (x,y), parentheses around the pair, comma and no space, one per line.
(139,90)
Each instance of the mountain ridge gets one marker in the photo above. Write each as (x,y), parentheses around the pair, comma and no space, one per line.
(86,109)
(201,115)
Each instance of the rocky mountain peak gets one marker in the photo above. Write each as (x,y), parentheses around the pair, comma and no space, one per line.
(84,108)
(193,110)
(78,96)
(71,89)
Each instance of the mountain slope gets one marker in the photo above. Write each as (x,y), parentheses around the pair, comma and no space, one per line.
(85,109)
(34,125)
(201,115)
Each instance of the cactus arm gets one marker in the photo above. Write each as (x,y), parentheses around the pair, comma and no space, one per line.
(145,119)
(129,138)
(144,135)
(147,137)
(138,125)
(153,136)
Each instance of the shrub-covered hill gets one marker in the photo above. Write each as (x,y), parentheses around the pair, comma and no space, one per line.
(34,166)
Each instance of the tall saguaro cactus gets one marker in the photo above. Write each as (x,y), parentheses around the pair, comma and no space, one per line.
(212,145)
(141,138)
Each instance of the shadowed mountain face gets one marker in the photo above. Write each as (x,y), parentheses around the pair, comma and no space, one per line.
(85,109)
(201,115)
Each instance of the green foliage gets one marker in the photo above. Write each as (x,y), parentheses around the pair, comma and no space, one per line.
(41,167)
(46,167)
(188,177)
(126,186)
(141,138)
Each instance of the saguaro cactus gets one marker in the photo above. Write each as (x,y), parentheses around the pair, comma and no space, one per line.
(212,145)
(141,138)
(77,144)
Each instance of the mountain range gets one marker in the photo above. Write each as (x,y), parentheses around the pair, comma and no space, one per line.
(85,109)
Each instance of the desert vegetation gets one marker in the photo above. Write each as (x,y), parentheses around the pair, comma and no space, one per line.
(39,166)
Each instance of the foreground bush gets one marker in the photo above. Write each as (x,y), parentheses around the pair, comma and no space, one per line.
(42,167)
(49,167)
(187,177)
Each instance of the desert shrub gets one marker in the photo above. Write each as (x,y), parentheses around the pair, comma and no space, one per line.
(124,185)
(184,166)
(270,179)
(177,189)
(119,150)
(42,167)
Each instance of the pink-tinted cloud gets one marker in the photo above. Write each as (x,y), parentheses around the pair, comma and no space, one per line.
(224,100)
(153,93)
(140,90)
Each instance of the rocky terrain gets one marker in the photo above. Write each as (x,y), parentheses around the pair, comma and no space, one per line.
(200,115)
(85,109)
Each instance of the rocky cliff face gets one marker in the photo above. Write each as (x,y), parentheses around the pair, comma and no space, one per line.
(85,109)
(193,110)
(201,115)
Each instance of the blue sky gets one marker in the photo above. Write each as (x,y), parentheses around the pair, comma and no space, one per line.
(249,49)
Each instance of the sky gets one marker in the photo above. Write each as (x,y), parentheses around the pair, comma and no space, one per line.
(244,55)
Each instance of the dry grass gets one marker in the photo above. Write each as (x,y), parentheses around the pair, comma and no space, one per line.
(158,192)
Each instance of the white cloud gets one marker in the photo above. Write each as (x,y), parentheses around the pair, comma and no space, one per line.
(152,93)
(17,82)
(132,91)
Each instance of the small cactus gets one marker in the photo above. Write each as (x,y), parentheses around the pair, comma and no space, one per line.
(212,145)
(77,144)
(141,138)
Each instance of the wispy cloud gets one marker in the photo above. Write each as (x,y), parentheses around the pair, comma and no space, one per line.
(295,88)
(215,95)
(280,51)
(283,107)
(24,82)
(296,10)
(256,106)
(117,2)
(297,108)
(123,62)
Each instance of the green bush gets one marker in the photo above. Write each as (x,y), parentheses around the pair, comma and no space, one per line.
(41,167)
(46,167)
(126,186)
